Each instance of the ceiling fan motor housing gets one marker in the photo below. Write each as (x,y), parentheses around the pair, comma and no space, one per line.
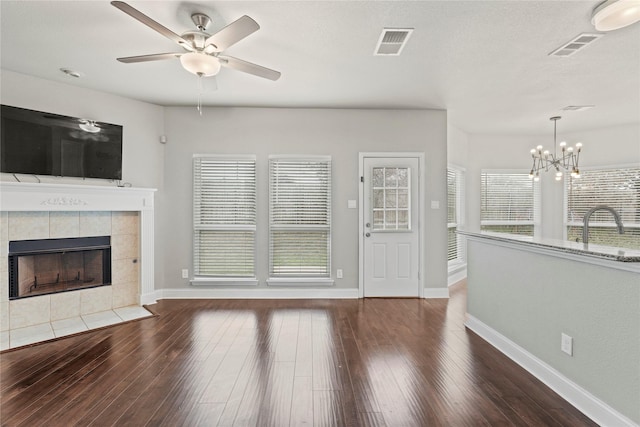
(201,20)
(196,39)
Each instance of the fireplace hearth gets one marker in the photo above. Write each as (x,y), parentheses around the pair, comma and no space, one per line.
(46,266)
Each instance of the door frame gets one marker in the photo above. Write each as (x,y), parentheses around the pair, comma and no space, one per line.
(422,185)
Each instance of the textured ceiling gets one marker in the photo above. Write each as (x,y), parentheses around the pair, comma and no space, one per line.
(486,62)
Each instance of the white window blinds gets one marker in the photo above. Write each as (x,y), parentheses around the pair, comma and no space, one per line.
(299,216)
(224,216)
(455,198)
(617,188)
(509,202)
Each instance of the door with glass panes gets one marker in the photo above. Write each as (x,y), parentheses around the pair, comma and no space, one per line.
(391,234)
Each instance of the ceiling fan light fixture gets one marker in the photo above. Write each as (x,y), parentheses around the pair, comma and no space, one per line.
(200,64)
(615,14)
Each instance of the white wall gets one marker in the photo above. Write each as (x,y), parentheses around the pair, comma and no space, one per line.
(457,146)
(614,146)
(339,133)
(143,123)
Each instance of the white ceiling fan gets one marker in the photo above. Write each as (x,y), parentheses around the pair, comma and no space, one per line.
(202,53)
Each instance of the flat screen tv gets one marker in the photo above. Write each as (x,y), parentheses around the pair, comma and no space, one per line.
(39,143)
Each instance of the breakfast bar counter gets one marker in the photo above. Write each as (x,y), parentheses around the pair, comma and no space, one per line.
(569,313)
(562,247)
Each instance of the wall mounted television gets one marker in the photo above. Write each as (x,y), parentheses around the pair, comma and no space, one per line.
(39,143)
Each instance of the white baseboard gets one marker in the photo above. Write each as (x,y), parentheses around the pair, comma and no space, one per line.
(150,298)
(436,293)
(457,276)
(257,293)
(584,401)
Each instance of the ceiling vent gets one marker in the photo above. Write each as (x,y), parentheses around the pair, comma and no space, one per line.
(578,43)
(392,41)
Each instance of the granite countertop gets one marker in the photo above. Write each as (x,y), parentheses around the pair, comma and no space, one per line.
(593,250)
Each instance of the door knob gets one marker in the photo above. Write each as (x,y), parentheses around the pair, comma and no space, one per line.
(367,235)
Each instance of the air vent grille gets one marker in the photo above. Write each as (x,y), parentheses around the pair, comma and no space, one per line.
(577,107)
(573,46)
(394,36)
(392,41)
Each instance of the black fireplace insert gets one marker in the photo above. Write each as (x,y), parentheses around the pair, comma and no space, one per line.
(46,266)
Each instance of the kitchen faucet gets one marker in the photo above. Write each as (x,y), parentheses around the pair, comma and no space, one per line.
(585,228)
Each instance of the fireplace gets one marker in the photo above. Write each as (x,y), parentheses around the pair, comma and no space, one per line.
(46,266)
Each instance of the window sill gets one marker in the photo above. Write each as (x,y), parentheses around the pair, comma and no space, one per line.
(300,281)
(222,281)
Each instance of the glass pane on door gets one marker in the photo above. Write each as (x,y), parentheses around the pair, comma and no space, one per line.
(391,204)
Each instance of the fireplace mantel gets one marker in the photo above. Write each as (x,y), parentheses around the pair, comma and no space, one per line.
(15,196)
(22,196)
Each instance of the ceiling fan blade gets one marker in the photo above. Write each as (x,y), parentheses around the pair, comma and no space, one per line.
(232,33)
(248,67)
(147,58)
(136,14)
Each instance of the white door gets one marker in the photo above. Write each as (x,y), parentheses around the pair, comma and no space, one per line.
(391,234)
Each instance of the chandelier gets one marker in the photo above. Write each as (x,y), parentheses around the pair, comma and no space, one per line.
(545,160)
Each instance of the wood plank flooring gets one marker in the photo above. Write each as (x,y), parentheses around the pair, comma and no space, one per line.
(372,362)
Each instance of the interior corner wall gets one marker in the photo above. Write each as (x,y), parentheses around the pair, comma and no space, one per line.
(457,146)
(339,133)
(143,123)
(612,146)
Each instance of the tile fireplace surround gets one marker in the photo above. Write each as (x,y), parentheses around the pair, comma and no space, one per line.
(42,211)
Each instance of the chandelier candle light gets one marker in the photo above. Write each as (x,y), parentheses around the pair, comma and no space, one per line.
(544,160)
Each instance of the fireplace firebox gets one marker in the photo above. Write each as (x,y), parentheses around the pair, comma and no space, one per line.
(39,267)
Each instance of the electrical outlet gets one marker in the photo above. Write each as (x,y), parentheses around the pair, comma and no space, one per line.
(339,273)
(185,273)
(567,344)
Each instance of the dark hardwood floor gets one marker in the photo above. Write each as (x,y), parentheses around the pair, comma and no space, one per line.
(372,362)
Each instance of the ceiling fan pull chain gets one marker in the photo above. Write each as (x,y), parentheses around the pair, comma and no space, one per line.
(200,91)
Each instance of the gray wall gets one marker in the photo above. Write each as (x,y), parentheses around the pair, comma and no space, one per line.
(532,298)
(339,133)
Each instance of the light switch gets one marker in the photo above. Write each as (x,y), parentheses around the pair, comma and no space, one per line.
(352,204)
(435,204)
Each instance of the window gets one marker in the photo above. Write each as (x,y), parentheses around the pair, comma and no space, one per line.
(391,198)
(455,200)
(299,217)
(224,216)
(509,202)
(617,188)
